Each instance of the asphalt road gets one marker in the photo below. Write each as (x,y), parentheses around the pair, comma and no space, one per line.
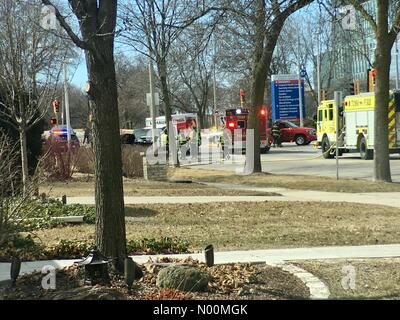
(293,159)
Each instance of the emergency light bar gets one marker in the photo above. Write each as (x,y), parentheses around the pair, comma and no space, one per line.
(60,132)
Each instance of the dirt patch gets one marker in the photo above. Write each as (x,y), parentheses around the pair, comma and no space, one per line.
(229,282)
(373,278)
(298,182)
(259,225)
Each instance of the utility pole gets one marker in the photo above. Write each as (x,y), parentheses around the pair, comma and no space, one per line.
(214,80)
(338,96)
(319,56)
(300,91)
(397,63)
(66,100)
(152,103)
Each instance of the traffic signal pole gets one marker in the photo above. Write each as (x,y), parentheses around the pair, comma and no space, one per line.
(66,93)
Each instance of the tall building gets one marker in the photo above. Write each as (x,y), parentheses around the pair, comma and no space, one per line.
(352,51)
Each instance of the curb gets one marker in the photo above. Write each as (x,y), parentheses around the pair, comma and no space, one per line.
(318,289)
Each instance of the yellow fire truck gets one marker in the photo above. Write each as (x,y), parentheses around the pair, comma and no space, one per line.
(356,126)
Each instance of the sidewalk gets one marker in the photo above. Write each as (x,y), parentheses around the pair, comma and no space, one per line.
(270,256)
(383,198)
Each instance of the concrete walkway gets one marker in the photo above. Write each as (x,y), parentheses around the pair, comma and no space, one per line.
(270,256)
(379,198)
(384,198)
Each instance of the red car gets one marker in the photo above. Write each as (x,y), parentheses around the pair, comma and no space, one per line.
(293,133)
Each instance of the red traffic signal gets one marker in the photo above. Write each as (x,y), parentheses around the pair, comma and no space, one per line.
(373,73)
(53,121)
(56,106)
(242,93)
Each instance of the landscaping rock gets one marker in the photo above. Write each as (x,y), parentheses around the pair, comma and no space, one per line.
(183,278)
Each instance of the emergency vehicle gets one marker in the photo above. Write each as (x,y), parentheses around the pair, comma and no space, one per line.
(356,126)
(236,121)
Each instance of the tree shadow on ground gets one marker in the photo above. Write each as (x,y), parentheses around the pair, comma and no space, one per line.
(140,212)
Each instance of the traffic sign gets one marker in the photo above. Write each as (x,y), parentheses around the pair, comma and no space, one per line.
(285,97)
(303,73)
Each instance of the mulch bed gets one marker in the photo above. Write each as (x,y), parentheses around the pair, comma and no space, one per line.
(230,282)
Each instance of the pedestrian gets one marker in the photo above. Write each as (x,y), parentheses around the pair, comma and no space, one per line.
(164,142)
(276,134)
(86,136)
(194,140)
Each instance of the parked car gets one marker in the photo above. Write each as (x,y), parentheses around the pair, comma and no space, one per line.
(290,132)
(144,135)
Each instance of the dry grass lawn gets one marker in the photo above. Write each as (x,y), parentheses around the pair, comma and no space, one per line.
(374,278)
(254,225)
(141,187)
(285,181)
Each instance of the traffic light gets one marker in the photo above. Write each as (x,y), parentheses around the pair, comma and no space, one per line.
(53,121)
(323,95)
(371,80)
(242,97)
(56,106)
(352,88)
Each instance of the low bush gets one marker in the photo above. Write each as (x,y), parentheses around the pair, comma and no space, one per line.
(46,210)
(85,160)
(154,246)
(27,249)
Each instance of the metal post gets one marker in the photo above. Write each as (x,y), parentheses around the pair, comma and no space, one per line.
(152,104)
(338,102)
(397,64)
(215,81)
(319,56)
(300,95)
(66,93)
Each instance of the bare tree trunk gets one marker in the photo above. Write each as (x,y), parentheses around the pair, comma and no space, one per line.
(382,60)
(24,160)
(162,70)
(110,222)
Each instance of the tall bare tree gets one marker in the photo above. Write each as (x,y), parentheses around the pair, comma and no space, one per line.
(97,22)
(153,26)
(31,60)
(385,37)
(268,18)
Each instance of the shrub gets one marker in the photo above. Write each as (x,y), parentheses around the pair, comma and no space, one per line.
(85,160)
(152,246)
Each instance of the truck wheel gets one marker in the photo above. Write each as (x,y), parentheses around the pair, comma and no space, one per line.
(326,152)
(365,153)
(300,140)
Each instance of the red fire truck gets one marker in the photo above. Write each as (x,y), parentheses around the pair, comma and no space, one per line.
(236,122)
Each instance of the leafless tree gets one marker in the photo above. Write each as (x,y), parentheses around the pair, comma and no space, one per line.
(385,35)
(267,19)
(97,24)
(31,61)
(191,70)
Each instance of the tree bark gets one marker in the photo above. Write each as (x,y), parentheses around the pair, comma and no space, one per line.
(110,222)
(382,61)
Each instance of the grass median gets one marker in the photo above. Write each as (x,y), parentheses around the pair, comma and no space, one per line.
(373,278)
(298,182)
